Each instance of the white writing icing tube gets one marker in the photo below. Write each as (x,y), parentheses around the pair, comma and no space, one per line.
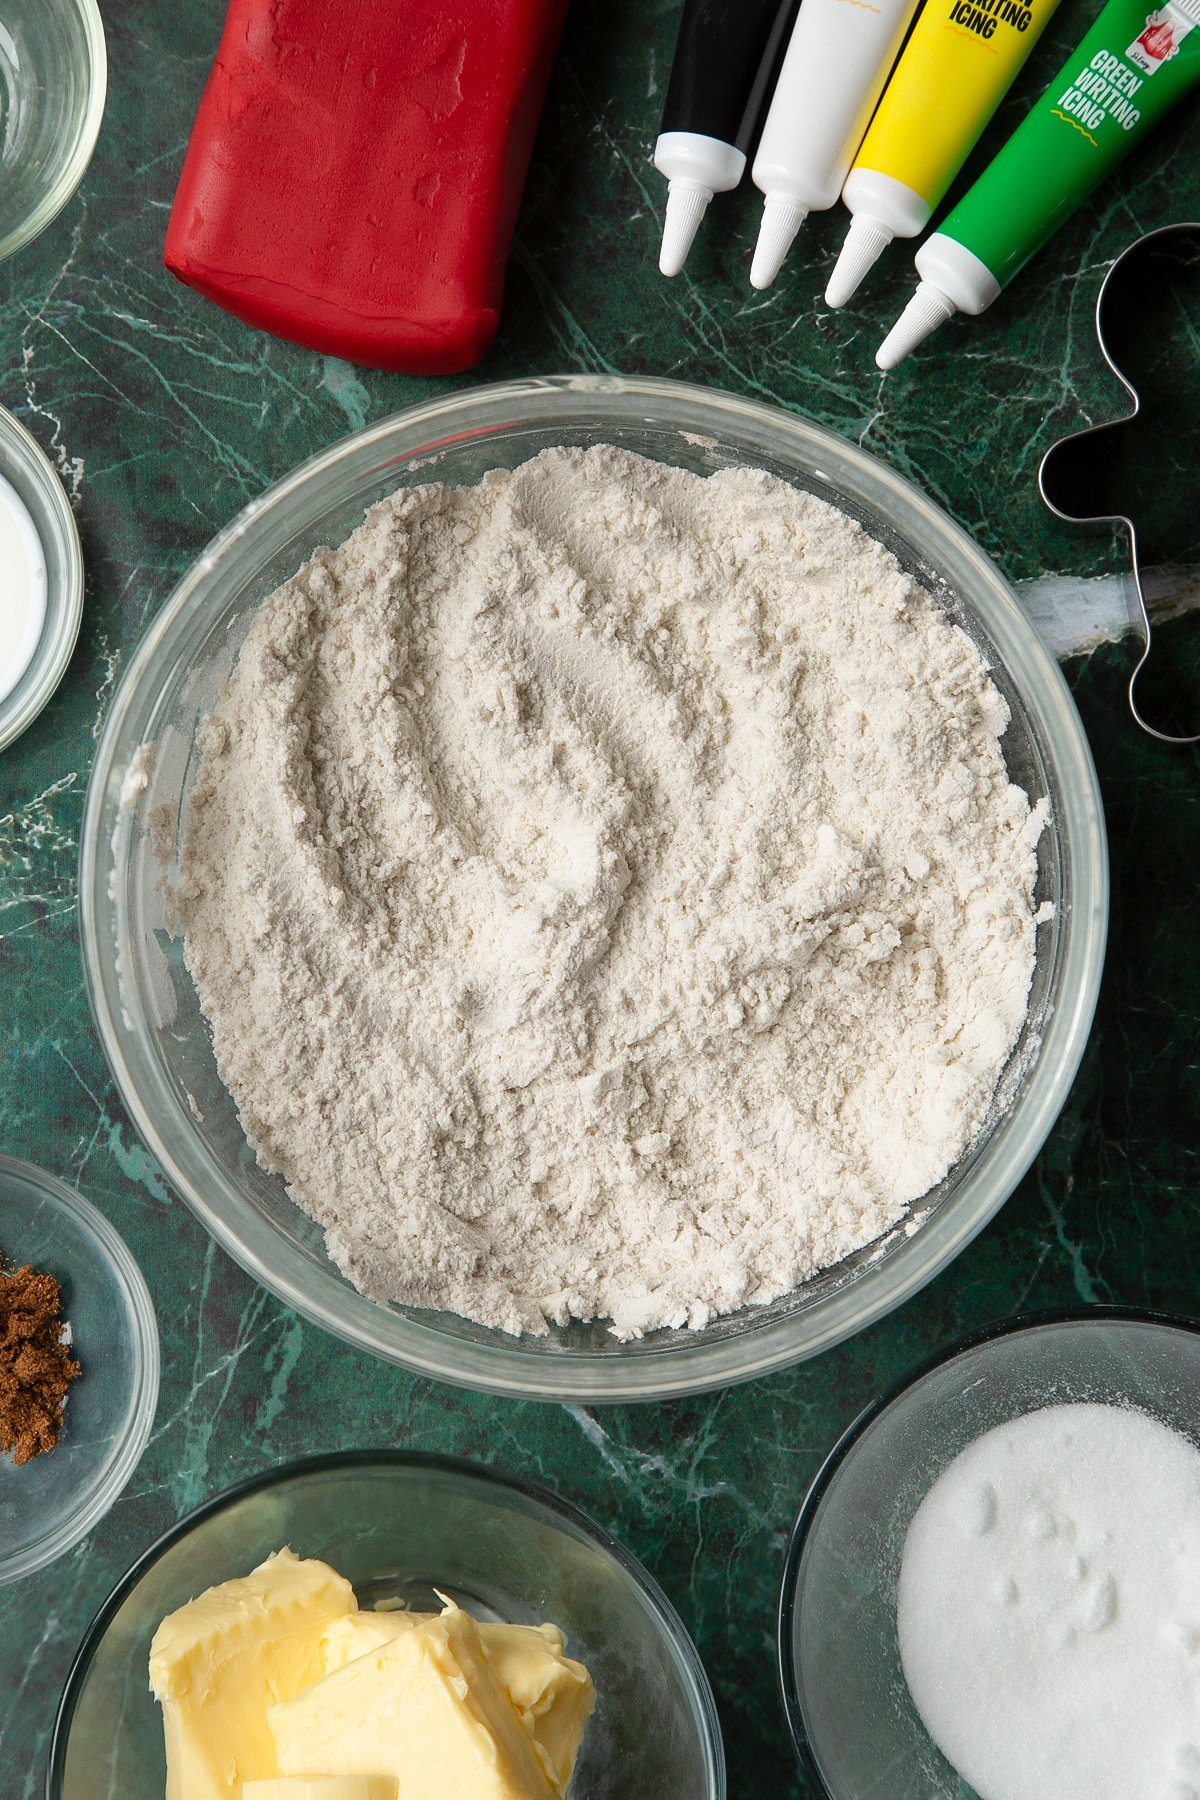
(839,56)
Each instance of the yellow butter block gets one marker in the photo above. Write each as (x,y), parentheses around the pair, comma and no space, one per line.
(321,1787)
(427,1708)
(553,1693)
(219,1662)
(358,1633)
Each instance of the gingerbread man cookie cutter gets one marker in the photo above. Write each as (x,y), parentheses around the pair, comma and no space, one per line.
(1091,476)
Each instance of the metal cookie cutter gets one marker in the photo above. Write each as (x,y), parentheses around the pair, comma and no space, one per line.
(1148,324)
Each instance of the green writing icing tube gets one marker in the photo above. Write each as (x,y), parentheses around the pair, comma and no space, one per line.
(1133,66)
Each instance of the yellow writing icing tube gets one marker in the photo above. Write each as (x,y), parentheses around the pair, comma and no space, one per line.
(961,60)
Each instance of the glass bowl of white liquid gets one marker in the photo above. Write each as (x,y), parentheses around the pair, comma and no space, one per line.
(148,1012)
(857,1731)
(53,81)
(42,567)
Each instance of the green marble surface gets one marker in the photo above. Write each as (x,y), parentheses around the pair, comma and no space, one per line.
(163,416)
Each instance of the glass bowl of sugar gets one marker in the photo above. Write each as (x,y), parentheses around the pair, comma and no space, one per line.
(992,1591)
(158,1039)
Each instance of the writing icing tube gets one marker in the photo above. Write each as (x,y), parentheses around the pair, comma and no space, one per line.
(1133,66)
(961,60)
(838,58)
(725,56)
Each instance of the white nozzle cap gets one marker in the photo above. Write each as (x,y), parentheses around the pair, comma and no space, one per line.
(927,309)
(686,206)
(865,243)
(781,221)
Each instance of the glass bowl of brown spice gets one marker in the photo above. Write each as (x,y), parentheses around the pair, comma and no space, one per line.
(78,1367)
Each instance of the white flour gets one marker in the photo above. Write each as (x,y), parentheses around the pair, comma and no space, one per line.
(606,892)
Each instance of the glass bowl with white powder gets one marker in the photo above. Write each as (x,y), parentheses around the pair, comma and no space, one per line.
(448,1002)
(995,1577)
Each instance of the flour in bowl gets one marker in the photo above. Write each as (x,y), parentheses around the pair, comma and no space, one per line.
(606,892)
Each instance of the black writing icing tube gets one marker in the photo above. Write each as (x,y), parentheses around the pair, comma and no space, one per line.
(725,59)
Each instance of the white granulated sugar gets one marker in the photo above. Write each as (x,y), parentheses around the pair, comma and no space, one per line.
(606,892)
(1049,1609)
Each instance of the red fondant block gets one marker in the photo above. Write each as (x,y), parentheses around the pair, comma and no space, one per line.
(355,169)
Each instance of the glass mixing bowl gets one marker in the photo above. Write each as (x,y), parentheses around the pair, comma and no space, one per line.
(49,1503)
(53,81)
(147,1010)
(857,1733)
(398,1526)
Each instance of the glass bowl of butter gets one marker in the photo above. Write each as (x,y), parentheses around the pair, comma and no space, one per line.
(369,1624)
(148,765)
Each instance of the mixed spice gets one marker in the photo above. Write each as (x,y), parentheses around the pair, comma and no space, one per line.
(36,1364)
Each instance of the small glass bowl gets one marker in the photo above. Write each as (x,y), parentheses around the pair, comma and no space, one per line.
(48,1504)
(857,1734)
(53,81)
(148,1013)
(25,467)
(401,1525)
